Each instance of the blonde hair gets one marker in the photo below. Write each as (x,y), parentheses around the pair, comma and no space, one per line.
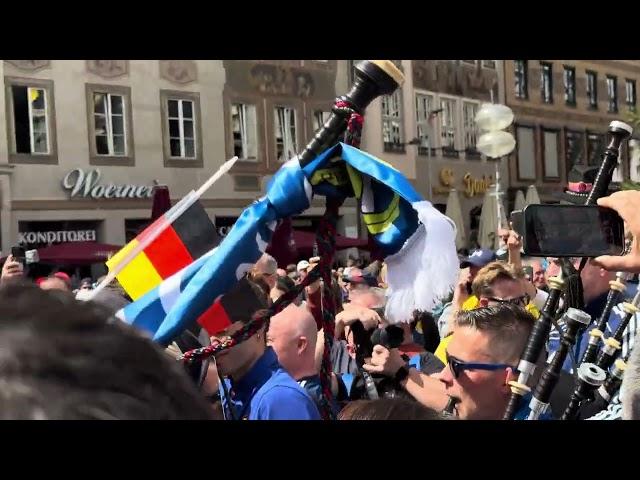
(491,272)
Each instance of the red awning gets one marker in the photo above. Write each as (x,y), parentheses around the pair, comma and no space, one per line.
(77,253)
(305,240)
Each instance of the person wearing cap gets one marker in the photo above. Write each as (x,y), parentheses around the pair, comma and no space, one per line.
(57,281)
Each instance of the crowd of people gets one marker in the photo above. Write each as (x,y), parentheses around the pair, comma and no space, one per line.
(66,358)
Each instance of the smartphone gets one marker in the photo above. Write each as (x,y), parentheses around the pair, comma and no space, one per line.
(570,230)
(18,254)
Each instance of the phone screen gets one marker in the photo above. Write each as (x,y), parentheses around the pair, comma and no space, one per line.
(572,231)
(18,254)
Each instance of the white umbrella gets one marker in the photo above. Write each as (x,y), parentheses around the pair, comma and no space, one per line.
(454,212)
(520,201)
(488,229)
(532,195)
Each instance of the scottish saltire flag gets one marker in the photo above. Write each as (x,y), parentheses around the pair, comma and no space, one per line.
(417,240)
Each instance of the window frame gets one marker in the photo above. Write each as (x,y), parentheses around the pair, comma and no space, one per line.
(524,80)
(592,94)
(434,143)
(615,94)
(569,83)
(50,158)
(543,66)
(179,162)
(534,131)
(450,152)
(298,122)
(545,175)
(390,146)
(631,105)
(127,160)
(229,120)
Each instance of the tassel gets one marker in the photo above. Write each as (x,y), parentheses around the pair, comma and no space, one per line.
(425,270)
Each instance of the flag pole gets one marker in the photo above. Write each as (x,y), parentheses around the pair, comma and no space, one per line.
(175,212)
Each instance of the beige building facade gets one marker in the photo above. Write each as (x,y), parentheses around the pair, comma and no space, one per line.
(86,140)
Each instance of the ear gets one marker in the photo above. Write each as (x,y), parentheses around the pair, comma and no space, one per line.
(302,344)
(509,375)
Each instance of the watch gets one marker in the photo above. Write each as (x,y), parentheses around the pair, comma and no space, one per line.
(401,374)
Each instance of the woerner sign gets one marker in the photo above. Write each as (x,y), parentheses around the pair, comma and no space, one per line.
(81,184)
(57,236)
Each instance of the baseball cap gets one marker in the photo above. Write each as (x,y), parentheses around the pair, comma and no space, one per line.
(302,265)
(478,258)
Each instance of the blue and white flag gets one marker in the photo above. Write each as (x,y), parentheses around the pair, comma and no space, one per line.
(417,240)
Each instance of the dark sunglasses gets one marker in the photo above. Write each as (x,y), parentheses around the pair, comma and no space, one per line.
(458,366)
(522,301)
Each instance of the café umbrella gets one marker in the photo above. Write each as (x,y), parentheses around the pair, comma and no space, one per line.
(454,212)
(492,206)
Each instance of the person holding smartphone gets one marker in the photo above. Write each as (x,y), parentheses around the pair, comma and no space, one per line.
(13,268)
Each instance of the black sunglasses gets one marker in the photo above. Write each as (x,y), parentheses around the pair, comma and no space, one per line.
(457,366)
(522,301)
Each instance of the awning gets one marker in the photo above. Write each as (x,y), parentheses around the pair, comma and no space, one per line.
(73,253)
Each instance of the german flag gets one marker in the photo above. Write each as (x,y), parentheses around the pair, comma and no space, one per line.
(181,242)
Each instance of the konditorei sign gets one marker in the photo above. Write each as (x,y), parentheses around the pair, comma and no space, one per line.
(57,236)
(81,184)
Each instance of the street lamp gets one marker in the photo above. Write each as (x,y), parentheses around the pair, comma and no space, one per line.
(424,141)
(493,119)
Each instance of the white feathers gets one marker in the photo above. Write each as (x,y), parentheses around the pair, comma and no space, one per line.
(425,270)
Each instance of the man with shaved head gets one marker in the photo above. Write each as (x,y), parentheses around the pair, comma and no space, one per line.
(292,335)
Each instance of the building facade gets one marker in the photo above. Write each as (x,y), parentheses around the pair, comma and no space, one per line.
(427,130)
(562,110)
(86,140)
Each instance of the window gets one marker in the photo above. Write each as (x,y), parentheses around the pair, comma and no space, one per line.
(319,118)
(526,153)
(30,120)
(424,122)
(570,86)
(630,94)
(592,89)
(285,133)
(352,70)
(547,82)
(245,131)
(551,157)
(109,118)
(109,124)
(182,138)
(521,72)
(595,148)
(612,92)
(489,64)
(392,122)
(182,134)
(470,62)
(448,125)
(574,148)
(469,111)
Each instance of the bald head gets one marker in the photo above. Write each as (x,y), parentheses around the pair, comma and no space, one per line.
(293,335)
(369,298)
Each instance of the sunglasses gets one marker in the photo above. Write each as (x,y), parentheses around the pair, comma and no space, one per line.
(457,366)
(522,301)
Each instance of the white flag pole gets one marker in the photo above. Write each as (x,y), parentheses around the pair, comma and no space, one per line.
(175,212)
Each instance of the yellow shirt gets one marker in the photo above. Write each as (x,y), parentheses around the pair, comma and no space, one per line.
(471,303)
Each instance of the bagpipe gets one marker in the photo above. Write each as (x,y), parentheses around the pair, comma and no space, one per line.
(421,268)
(589,376)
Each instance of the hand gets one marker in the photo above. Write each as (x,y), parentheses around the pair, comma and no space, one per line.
(461,294)
(369,318)
(626,203)
(384,361)
(11,269)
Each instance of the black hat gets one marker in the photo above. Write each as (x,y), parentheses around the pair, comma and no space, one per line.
(579,184)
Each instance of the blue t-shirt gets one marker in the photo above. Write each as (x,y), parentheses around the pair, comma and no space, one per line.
(268,392)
